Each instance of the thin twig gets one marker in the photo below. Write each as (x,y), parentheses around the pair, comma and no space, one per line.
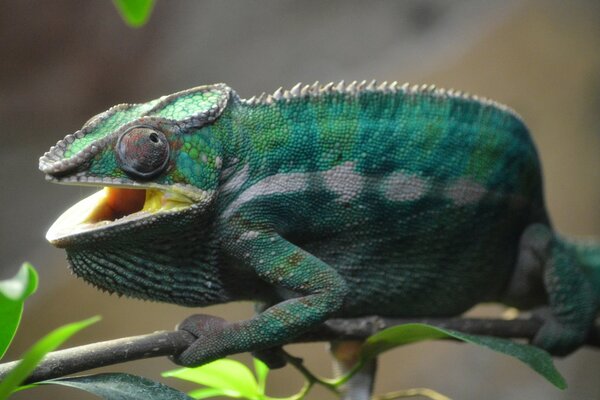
(416,392)
(169,343)
(81,358)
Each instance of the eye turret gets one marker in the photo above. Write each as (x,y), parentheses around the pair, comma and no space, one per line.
(142,152)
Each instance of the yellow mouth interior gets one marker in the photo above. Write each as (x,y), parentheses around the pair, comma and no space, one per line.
(114,203)
(117,203)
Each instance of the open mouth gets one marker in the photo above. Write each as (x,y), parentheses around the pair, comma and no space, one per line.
(115,205)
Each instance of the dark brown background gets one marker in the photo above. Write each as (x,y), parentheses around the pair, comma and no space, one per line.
(64,61)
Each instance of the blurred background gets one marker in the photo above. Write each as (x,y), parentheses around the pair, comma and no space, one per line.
(64,61)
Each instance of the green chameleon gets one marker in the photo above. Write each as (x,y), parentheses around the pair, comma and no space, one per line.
(319,202)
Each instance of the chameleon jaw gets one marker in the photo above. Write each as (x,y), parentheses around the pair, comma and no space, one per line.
(113,206)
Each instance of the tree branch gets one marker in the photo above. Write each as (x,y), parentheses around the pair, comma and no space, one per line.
(166,343)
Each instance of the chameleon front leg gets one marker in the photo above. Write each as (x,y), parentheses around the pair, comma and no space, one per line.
(320,288)
(273,357)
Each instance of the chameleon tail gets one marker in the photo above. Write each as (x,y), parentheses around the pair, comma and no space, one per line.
(587,254)
(572,281)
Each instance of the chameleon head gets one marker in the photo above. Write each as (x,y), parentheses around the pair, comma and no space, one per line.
(159,165)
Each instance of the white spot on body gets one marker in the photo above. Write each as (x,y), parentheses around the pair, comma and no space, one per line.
(465,191)
(344,181)
(400,186)
(249,235)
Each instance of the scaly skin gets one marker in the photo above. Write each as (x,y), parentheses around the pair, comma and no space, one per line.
(320,202)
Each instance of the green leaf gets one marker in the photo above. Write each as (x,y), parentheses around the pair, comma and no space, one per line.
(23,285)
(32,357)
(13,293)
(262,371)
(134,12)
(206,393)
(232,377)
(539,360)
(10,317)
(118,386)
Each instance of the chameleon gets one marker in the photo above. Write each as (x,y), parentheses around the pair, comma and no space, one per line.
(317,202)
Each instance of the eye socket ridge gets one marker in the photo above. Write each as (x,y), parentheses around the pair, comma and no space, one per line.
(142,152)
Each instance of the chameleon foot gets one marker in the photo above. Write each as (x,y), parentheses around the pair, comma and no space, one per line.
(210,343)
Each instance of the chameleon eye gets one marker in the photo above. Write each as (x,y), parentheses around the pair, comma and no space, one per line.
(143,152)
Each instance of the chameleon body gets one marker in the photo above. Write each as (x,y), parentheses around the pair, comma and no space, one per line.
(319,202)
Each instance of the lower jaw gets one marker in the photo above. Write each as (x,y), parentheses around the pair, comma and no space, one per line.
(113,206)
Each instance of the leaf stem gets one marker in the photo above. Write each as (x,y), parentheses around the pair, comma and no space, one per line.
(311,379)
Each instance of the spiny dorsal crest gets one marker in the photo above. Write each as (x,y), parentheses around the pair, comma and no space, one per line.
(355,88)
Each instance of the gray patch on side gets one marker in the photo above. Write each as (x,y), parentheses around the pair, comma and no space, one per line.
(236,181)
(465,191)
(344,181)
(275,184)
(400,186)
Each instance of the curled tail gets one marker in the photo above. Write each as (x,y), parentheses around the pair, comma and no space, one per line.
(587,255)
(572,282)
(566,272)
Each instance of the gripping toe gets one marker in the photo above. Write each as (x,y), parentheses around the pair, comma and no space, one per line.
(208,346)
